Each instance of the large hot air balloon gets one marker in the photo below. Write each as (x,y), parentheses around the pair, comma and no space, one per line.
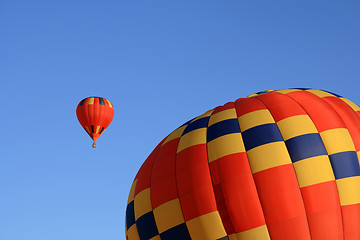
(95,114)
(275,165)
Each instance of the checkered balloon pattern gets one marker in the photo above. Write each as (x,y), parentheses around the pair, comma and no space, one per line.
(274,165)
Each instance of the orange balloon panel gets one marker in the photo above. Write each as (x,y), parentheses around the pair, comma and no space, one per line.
(95,115)
(275,165)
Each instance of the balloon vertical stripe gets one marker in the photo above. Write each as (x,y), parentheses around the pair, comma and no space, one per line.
(144,216)
(130,228)
(164,192)
(272,169)
(311,163)
(328,130)
(232,179)
(195,187)
(101,101)
(348,112)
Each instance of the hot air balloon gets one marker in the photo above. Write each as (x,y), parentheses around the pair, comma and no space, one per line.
(275,165)
(95,115)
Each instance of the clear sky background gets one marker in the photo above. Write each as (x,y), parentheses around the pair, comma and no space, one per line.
(160,63)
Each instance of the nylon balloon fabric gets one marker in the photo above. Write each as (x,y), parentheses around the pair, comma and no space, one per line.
(275,165)
(95,115)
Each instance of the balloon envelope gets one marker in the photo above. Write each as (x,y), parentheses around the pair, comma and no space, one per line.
(95,115)
(275,165)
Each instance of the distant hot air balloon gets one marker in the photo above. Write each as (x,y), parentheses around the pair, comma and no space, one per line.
(95,114)
(275,165)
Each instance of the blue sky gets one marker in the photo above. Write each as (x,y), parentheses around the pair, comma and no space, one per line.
(160,63)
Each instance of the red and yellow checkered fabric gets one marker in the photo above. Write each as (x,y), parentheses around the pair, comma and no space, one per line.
(275,165)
